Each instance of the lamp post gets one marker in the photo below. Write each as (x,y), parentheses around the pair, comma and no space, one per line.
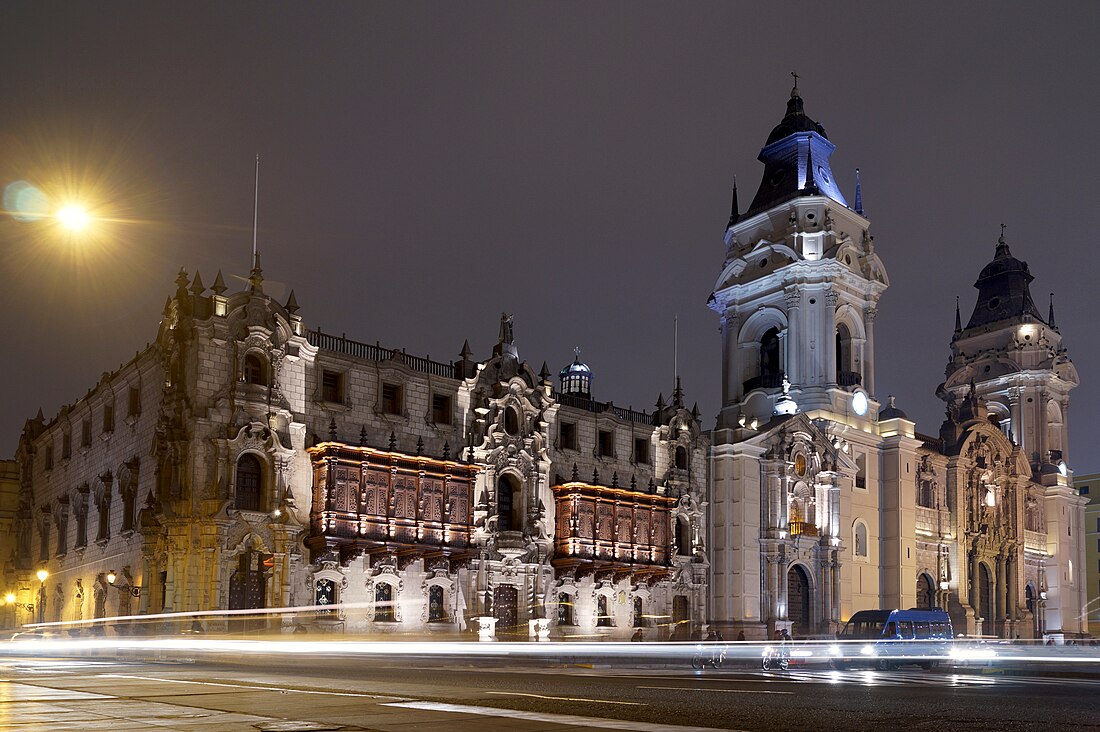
(42,575)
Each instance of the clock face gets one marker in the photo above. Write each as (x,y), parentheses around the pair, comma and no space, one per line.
(859,403)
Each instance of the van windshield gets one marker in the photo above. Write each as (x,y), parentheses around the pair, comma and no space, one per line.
(862,630)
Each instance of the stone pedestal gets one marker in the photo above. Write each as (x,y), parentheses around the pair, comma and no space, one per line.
(486,628)
(538,629)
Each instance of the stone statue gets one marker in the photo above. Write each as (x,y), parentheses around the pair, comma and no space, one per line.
(78,601)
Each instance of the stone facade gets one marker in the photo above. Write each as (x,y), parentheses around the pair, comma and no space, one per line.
(244,462)
(824,503)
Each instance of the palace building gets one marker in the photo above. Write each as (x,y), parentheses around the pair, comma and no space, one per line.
(244,460)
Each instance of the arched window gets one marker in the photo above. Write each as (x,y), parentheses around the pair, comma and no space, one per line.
(845,365)
(383,603)
(254,371)
(565,609)
(1029,598)
(509,508)
(603,617)
(683,536)
(926,593)
(769,356)
(859,539)
(639,616)
(436,610)
(511,421)
(249,483)
(681,457)
(1054,431)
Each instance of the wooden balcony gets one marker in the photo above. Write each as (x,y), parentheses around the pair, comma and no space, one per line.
(614,530)
(367,501)
(801,528)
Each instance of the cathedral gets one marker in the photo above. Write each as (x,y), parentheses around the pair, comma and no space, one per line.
(246,461)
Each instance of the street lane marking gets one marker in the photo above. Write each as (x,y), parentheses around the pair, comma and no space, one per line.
(565,719)
(721,691)
(254,687)
(566,698)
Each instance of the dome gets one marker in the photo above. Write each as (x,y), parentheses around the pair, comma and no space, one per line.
(794,121)
(891,411)
(1003,290)
(576,378)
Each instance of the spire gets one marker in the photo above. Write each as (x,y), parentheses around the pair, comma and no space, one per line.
(219,284)
(794,89)
(660,401)
(859,194)
(811,185)
(1050,314)
(465,352)
(958,316)
(1002,245)
(197,287)
(733,206)
(291,304)
(544,373)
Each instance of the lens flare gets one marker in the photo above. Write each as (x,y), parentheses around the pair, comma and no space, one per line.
(25,202)
(73,217)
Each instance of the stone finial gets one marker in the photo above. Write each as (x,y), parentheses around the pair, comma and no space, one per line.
(363,436)
(615,478)
(197,287)
(595,476)
(219,284)
(447,450)
(332,429)
(419,446)
(393,441)
(291,304)
(576,472)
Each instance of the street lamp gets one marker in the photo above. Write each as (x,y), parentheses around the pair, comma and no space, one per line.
(73,217)
(134,591)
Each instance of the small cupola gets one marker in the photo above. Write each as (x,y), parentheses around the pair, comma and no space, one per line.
(576,378)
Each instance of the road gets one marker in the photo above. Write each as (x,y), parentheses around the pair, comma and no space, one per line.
(277,692)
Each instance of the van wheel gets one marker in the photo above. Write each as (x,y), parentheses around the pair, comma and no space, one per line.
(883,665)
(929,665)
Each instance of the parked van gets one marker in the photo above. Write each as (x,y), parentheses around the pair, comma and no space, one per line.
(896,637)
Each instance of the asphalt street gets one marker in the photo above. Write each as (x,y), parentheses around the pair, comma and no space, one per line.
(267,692)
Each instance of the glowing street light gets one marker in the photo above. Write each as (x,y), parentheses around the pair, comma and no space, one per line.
(42,575)
(10,598)
(73,217)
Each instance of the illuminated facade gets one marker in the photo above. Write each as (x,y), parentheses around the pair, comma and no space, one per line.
(824,502)
(243,462)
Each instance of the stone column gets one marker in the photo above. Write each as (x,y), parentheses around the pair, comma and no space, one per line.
(793,299)
(999,595)
(828,335)
(869,314)
(825,603)
(975,587)
(834,617)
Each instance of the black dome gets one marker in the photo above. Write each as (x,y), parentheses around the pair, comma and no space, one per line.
(795,121)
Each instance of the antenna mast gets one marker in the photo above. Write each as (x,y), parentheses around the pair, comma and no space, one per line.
(255,212)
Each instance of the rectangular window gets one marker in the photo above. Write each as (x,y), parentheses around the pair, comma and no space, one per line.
(135,402)
(66,446)
(441,409)
(641,450)
(86,433)
(861,471)
(332,387)
(1084,490)
(49,457)
(1098,523)
(606,444)
(109,417)
(567,436)
(391,399)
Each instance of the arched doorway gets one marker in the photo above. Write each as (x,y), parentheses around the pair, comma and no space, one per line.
(798,601)
(985,599)
(926,593)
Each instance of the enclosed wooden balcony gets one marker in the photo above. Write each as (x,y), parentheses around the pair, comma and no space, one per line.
(610,529)
(367,500)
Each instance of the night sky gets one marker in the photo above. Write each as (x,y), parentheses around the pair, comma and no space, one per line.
(427,166)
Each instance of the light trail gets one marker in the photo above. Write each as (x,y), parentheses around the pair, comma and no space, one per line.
(567,698)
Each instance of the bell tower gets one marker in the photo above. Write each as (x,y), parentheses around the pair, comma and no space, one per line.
(799,288)
(1014,361)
